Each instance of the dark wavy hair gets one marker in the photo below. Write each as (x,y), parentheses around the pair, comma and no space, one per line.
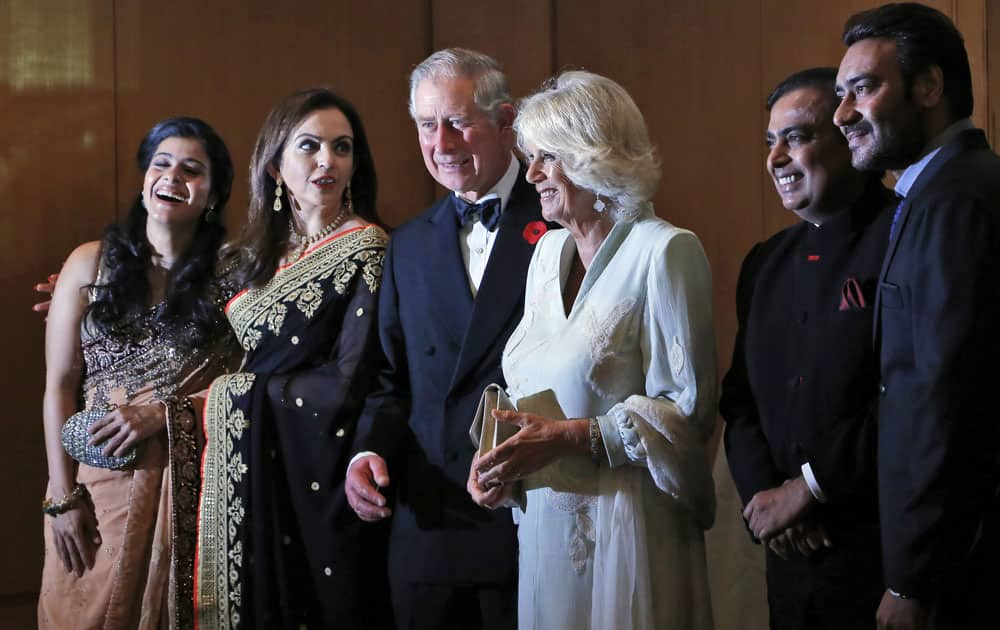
(124,291)
(924,37)
(264,239)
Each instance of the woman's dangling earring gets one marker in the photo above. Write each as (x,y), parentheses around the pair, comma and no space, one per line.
(211,216)
(599,204)
(347,197)
(277,194)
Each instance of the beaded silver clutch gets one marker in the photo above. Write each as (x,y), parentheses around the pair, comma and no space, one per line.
(74,440)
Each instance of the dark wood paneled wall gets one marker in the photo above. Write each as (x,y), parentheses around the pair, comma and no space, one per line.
(82,80)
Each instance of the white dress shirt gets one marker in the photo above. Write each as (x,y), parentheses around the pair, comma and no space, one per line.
(474,240)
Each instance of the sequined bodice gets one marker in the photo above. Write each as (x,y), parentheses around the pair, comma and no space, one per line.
(137,356)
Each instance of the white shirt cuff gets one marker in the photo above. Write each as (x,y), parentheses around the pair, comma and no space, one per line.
(359,456)
(817,492)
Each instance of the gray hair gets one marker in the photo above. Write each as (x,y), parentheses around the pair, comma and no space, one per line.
(491,89)
(598,133)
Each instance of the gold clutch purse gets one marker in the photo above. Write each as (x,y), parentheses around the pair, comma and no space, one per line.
(486,433)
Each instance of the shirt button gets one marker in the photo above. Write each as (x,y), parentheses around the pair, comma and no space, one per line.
(480,250)
(340,433)
(328,571)
(295,340)
(299,402)
(287,540)
(314,486)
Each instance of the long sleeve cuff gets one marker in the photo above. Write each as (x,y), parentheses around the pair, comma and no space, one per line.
(359,456)
(814,489)
(622,440)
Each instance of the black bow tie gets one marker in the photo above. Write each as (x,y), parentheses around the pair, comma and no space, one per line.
(486,212)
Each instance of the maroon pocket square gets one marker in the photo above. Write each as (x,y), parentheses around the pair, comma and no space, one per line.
(851,295)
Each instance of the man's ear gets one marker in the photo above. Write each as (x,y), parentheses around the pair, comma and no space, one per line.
(505,116)
(928,87)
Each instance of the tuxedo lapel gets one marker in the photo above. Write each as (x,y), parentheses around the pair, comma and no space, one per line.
(447,283)
(501,293)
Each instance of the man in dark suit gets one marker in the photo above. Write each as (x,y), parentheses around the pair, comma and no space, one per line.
(452,292)
(906,94)
(798,400)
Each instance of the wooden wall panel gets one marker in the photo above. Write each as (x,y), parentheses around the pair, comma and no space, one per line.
(239,58)
(518,34)
(57,185)
(677,61)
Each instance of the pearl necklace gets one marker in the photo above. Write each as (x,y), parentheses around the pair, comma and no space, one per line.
(302,242)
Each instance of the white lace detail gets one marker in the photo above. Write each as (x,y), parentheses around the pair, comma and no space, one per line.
(635,447)
(604,336)
(581,536)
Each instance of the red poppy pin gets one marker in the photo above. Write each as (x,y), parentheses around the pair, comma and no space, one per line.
(534,231)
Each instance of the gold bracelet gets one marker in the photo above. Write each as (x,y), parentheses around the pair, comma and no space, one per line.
(596,442)
(65,504)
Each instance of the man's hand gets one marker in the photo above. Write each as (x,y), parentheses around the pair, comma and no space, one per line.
(896,613)
(770,512)
(47,288)
(364,479)
(805,537)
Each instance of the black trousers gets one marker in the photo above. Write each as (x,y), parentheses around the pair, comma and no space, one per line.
(835,589)
(419,606)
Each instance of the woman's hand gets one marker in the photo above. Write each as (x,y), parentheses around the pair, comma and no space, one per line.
(76,538)
(125,427)
(492,497)
(540,442)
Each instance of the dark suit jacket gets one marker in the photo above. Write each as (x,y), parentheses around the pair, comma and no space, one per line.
(939,309)
(804,379)
(441,349)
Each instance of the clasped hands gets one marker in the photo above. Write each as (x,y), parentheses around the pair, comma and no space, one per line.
(539,442)
(779,517)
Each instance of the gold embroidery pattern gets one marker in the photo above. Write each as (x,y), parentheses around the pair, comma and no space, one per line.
(185,482)
(301,284)
(220,552)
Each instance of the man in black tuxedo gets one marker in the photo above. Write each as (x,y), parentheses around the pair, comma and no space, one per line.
(798,400)
(452,292)
(906,94)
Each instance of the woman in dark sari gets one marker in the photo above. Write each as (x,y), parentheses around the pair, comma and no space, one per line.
(278,547)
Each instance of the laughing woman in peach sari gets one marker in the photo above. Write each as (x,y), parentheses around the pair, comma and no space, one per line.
(136,325)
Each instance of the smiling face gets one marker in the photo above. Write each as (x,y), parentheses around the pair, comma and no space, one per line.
(807,156)
(562,201)
(178,182)
(881,123)
(464,149)
(318,160)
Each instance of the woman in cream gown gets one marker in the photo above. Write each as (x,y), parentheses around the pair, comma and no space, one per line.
(613,484)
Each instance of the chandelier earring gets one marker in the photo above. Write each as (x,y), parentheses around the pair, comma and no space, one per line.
(277,194)
(348,205)
(211,216)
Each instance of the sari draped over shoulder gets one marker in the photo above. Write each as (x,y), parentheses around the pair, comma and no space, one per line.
(143,572)
(278,546)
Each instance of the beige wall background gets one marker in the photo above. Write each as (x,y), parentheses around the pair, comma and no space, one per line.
(82,80)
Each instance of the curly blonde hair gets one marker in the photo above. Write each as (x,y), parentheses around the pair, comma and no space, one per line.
(599,135)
